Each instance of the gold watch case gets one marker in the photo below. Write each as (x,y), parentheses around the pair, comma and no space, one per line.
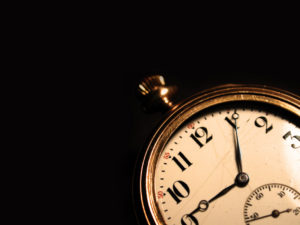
(145,201)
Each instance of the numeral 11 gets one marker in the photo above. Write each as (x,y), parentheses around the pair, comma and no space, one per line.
(183,159)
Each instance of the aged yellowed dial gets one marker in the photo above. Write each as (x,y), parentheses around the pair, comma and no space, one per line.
(200,161)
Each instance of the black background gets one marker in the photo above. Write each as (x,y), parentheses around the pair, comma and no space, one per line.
(132,126)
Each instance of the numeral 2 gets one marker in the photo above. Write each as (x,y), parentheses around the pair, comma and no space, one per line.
(201,133)
(263,122)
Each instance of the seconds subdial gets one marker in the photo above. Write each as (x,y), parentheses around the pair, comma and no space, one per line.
(268,204)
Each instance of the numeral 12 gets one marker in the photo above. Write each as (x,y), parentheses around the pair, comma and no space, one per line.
(200,133)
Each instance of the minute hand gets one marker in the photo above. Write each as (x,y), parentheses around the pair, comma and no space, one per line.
(238,157)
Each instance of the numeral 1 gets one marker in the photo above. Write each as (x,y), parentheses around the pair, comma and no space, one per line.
(183,158)
(230,122)
(234,116)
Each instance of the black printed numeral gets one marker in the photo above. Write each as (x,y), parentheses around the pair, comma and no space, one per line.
(234,117)
(263,122)
(230,122)
(182,160)
(189,219)
(295,137)
(201,133)
(179,190)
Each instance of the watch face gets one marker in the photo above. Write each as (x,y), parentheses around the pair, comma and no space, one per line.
(233,163)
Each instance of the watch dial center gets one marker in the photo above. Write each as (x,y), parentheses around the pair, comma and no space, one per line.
(242,179)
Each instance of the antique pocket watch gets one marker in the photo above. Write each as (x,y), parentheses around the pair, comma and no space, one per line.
(228,155)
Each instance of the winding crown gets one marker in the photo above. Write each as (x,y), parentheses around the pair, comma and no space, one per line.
(155,96)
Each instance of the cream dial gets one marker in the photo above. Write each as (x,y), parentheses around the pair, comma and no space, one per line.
(195,180)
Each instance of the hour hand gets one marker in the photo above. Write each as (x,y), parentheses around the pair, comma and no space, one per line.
(241,180)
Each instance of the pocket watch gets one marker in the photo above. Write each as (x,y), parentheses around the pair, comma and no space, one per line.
(228,155)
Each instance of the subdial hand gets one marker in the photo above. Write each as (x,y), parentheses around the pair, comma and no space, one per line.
(275,213)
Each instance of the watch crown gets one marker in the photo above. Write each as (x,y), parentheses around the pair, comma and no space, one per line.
(155,96)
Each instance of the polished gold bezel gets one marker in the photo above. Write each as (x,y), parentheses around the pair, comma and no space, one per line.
(183,111)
